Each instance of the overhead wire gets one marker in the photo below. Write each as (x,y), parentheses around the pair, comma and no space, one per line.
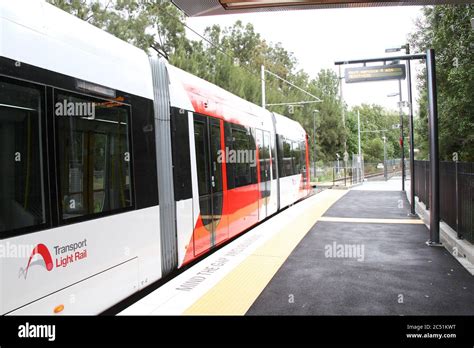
(233,57)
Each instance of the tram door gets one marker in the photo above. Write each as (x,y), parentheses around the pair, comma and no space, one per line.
(207,136)
(263,143)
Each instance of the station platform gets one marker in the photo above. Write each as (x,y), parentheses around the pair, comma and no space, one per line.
(339,252)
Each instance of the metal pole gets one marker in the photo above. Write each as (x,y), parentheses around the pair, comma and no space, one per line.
(412,137)
(343,117)
(358,133)
(402,143)
(345,175)
(333,175)
(434,146)
(341,97)
(359,159)
(262,77)
(385,157)
(314,144)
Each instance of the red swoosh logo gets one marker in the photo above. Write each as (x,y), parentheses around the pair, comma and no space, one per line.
(42,250)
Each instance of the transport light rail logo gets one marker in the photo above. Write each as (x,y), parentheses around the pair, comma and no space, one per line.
(65,256)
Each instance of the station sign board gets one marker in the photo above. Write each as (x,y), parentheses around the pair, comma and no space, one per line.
(375,73)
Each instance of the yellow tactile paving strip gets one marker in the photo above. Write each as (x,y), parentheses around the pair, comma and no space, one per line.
(238,290)
(371,221)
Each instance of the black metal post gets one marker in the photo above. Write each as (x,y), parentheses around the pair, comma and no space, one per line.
(434,146)
(412,137)
(402,139)
(385,173)
(314,145)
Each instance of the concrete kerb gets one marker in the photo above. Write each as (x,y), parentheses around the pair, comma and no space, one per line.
(461,249)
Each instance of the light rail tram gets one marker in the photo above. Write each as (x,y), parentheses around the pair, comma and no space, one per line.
(117,169)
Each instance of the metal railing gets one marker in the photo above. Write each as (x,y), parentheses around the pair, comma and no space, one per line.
(422,182)
(456,194)
(335,174)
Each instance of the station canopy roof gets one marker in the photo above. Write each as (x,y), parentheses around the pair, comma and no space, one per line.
(194,8)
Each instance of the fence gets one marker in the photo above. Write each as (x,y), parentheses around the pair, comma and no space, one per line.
(334,173)
(456,181)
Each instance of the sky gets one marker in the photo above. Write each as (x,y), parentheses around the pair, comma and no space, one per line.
(318,38)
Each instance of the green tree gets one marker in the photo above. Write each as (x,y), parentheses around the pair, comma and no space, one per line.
(447,29)
(373,150)
(144,24)
(376,122)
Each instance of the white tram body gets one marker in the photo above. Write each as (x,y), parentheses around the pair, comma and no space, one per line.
(111,176)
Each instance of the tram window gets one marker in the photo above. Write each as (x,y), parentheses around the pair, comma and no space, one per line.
(202,154)
(22,200)
(288,158)
(181,154)
(274,161)
(241,146)
(253,156)
(279,145)
(94,155)
(296,154)
(242,165)
(303,157)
